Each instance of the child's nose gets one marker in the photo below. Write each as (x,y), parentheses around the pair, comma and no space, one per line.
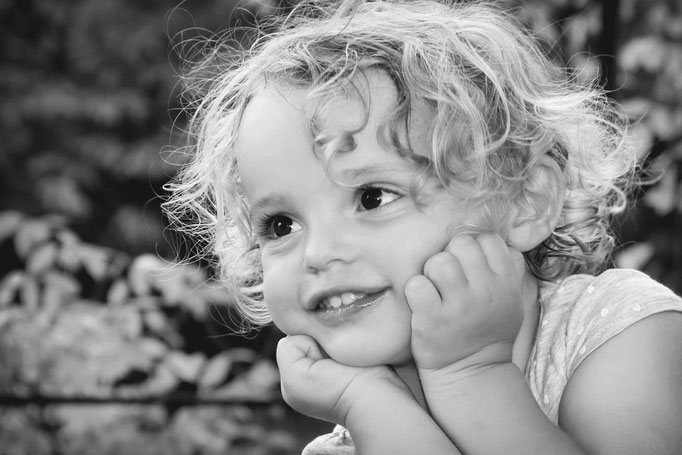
(326,245)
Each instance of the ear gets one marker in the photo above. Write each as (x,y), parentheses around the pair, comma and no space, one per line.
(530,225)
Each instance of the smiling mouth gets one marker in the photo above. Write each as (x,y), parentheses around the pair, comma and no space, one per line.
(346,303)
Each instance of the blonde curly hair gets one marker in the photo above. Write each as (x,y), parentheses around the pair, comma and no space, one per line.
(496,104)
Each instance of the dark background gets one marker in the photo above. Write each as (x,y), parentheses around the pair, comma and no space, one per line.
(104,348)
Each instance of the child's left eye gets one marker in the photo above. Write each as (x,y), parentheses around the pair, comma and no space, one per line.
(374,197)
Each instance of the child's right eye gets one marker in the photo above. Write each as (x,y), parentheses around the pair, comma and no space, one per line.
(278,226)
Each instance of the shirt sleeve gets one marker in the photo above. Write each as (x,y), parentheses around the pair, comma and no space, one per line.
(338,442)
(609,304)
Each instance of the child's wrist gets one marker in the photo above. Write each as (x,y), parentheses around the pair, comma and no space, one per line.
(371,401)
(463,372)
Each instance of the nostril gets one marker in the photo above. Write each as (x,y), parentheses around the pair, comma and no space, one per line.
(321,254)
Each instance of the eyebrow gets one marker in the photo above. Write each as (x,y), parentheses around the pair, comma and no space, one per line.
(267,201)
(348,176)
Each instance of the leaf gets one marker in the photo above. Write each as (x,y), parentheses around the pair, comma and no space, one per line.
(155,321)
(10,286)
(62,194)
(203,430)
(161,381)
(263,376)
(158,324)
(95,260)
(29,294)
(126,320)
(152,347)
(59,289)
(664,122)
(663,197)
(216,371)
(185,366)
(42,258)
(31,233)
(646,52)
(141,274)
(9,223)
(69,257)
(260,382)
(118,292)
(635,256)
(178,284)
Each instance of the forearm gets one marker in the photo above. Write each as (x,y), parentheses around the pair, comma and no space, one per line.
(493,411)
(392,422)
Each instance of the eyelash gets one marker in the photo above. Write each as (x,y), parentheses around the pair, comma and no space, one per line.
(363,190)
(264,226)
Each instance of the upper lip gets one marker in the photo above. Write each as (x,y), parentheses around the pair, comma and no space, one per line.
(318,297)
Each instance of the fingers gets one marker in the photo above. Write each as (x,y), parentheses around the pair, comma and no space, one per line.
(502,259)
(294,348)
(484,252)
(446,272)
(460,266)
(466,261)
(421,293)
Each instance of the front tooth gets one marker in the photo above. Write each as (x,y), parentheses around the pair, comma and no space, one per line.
(349,297)
(335,301)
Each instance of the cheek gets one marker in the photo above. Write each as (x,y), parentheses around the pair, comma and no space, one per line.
(278,294)
(414,246)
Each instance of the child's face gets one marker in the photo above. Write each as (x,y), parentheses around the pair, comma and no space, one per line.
(336,259)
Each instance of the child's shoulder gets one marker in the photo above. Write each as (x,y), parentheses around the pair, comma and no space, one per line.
(582,312)
(617,290)
(579,315)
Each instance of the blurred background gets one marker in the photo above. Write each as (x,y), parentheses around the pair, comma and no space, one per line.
(106,347)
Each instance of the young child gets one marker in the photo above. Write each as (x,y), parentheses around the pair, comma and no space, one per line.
(420,202)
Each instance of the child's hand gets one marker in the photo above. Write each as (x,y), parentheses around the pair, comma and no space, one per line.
(320,387)
(467,307)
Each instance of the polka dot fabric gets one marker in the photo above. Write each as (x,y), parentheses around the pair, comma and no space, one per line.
(580,314)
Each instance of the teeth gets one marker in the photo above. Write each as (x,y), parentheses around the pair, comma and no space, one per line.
(349,297)
(345,298)
(335,301)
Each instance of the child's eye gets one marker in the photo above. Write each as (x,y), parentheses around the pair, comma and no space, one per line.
(278,226)
(375,196)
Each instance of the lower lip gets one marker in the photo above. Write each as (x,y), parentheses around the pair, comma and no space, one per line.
(347,310)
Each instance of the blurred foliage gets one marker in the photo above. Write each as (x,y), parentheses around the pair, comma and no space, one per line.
(127,354)
(88,309)
(87,88)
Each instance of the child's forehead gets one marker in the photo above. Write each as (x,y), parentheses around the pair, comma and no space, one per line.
(279,117)
(364,104)
(372,92)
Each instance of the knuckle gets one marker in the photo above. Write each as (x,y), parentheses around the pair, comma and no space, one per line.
(460,242)
(438,262)
(490,238)
(443,266)
(415,284)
